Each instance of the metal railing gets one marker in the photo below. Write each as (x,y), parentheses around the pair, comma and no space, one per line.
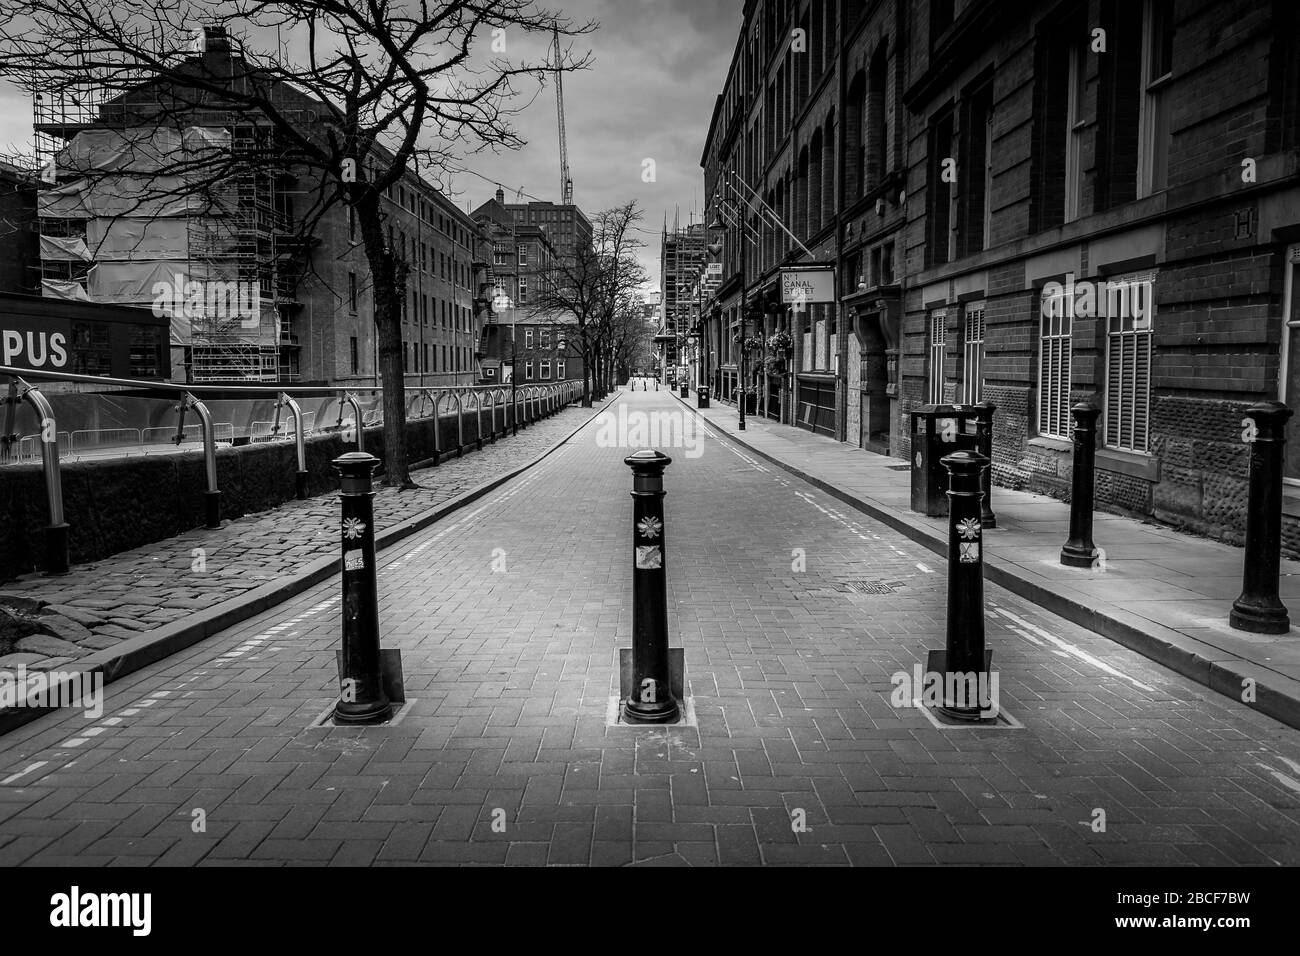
(288,423)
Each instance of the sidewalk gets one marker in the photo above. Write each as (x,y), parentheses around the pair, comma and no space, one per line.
(1163,594)
(131,609)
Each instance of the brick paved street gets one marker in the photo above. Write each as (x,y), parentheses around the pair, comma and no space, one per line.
(503,755)
(131,593)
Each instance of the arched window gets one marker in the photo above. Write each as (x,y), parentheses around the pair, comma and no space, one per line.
(801,197)
(854,153)
(876,121)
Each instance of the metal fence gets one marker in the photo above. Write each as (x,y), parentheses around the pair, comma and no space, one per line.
(120,418)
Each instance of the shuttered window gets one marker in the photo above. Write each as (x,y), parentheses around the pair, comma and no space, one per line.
(1056,316)
(972,389)
(938,340)
(1130,316)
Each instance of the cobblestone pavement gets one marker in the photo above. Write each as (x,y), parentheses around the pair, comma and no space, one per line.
(509,618)
(103,603)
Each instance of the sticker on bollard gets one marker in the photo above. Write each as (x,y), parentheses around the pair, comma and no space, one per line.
(651,699)
(362,698)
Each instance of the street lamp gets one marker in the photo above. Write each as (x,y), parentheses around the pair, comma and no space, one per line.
(719,226)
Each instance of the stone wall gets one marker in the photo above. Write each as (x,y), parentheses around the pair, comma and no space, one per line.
(113,505)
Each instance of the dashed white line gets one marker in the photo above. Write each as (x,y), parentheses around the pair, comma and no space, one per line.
(24,772)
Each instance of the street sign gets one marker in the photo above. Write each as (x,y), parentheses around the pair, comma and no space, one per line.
(810,285)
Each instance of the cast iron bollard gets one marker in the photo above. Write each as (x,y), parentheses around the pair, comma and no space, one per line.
(363,700)
(651,700)
(1259,608)
(1079,551)
(965,652)
(984,440)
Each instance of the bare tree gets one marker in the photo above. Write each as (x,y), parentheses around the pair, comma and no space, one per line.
(397,86)
(588,283)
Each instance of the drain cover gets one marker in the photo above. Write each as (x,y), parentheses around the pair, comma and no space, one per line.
(868,587)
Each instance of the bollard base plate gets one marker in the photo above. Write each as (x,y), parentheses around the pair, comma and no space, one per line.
(1079,557)
(390,673)
(399,711)
(956,718)
(1259,620)
(685,715)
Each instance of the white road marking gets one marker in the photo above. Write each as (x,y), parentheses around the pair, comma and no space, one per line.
(22,773)
(1291,783)
(1070,649)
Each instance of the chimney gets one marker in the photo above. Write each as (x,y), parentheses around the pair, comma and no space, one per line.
(501,195)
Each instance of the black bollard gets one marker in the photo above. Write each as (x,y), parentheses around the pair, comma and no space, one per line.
(1259,608)
(965,653)
(651,700)
(1079,551)
(363,700)
(984,440)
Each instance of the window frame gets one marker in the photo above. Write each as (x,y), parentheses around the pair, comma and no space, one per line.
(973,321)
(1055,367)
(936,354)
(1128,402)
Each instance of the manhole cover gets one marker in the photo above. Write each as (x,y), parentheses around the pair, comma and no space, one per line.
(868,587)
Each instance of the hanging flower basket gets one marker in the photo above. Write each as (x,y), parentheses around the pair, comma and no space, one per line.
(779,342)
(774,365)
(752,343)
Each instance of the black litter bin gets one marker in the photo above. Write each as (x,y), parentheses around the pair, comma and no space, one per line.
(938,430)
(702,397)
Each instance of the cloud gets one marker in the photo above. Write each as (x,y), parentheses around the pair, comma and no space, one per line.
(658,67)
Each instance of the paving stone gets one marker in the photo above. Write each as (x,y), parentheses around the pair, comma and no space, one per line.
(20,659)
(511,671)
(64,627)
(48,645)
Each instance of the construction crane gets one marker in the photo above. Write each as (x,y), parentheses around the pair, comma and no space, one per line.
(566,182)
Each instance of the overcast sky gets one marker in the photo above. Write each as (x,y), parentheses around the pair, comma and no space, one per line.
(658,65)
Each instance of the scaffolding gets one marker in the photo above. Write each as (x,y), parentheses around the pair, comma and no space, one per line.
(225,248)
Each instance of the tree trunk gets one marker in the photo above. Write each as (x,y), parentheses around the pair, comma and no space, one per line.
(387,292)
(586,369)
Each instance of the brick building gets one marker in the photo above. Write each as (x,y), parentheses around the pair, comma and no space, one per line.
(19,252)
(1035,204)
(520,247)
(314,319)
